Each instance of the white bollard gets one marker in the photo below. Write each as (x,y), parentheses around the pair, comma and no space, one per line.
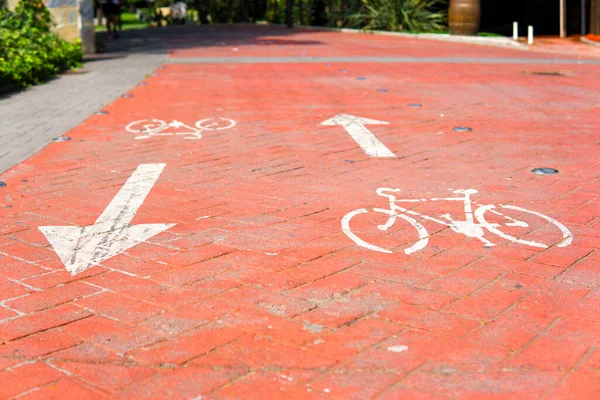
(530,34)
(515,30)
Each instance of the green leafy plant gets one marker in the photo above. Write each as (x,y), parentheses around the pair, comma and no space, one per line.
(29,52)
(395,15)
(33,14)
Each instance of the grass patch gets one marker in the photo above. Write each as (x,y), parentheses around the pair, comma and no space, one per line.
(489,34)
(128,21)
(485,34)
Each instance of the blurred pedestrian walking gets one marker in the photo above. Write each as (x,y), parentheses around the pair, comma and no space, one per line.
(112,11)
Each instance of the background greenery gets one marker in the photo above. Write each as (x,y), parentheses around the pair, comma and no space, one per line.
(392,15)
(29,52)
(129,20)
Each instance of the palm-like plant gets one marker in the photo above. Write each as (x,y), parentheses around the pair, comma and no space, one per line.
(400,15)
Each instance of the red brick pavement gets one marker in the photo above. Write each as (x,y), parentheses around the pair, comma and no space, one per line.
(277,42)
(257,293)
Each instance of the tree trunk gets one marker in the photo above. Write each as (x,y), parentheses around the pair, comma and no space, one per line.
(289,5)
(595,17)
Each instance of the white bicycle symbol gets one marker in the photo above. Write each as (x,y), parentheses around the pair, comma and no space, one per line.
(157,127)
(472,226)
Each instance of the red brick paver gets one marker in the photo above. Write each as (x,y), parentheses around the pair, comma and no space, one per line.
(256,292)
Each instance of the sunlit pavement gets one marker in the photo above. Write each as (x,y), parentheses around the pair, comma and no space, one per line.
(273,214)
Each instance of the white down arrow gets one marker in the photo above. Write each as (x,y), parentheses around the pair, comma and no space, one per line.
(82,247)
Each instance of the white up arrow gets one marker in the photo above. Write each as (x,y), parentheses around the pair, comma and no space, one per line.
(80,248)
(355,126)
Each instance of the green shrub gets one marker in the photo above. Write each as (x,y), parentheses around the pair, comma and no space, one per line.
(29,52)
(394,15)
(33,14)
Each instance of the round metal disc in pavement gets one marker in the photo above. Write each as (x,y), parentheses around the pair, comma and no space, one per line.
(544,171)
(462,129)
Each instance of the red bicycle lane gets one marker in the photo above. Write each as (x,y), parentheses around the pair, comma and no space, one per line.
(256,291)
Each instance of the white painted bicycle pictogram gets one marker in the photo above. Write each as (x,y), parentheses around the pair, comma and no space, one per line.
(215,124)
(473,226)
(156,127)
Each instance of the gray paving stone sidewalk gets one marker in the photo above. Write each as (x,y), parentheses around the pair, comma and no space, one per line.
(30,119)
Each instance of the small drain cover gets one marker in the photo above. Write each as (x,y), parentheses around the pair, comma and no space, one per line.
(101,112)
(462,129)
(544,171)
(62,139)
(415,105)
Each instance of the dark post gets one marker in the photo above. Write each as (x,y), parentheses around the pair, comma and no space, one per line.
(288,13)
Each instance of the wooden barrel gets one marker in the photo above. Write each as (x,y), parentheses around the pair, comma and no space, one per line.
(463,17)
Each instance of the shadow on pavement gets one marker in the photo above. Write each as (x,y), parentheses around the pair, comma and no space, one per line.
(161,40)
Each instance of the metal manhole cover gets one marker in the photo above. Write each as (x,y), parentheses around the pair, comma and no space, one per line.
(463,129)
(544,171)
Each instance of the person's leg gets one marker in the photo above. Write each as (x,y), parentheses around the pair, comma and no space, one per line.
(115,19)
(106,19)
(106,11)
(114,16)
